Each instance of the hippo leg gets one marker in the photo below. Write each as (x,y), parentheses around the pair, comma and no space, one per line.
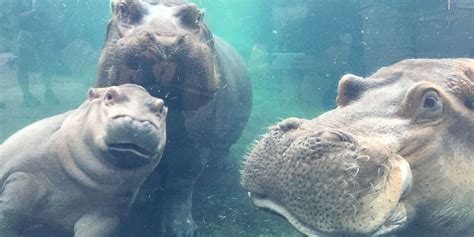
(20,194)
(178,195)
(97,225)
(28,99)
(49,96)
(178,220)
(219,158)
(26,53)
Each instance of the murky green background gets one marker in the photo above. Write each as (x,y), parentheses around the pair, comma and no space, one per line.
(332,32)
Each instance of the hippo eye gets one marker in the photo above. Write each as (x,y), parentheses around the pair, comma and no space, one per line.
(469,104)
(199,17)
(431,100)
(109,97)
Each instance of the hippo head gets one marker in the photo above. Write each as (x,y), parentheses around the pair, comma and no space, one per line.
(128,127)
(163,45)
(396,155)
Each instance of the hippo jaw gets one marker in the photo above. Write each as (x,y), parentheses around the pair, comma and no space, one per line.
(397,220)
(166,48)
(336,182)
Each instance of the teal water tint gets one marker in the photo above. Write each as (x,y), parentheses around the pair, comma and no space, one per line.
(73,34)
(248,26)
(313,43)
(221,207)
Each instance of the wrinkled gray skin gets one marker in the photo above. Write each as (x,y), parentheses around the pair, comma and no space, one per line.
(165,46)
(79,171)
(395,157)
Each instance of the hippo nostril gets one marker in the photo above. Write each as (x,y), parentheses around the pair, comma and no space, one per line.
(181,39)
(146,34)
(162,110)
(330,136)
(156,105)
(290,123)
(334,136)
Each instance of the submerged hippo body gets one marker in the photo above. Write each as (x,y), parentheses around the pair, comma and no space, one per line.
(165,46)
(79,171)
(395,157)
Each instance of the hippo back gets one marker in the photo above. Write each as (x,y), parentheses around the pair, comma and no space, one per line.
(234,98)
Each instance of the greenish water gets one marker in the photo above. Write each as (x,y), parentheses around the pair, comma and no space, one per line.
(221,207)
(332,34)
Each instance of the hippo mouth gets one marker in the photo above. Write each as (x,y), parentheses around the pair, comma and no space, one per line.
(396,221)
(328,183)
(132,143)
(266,203)
(130,147)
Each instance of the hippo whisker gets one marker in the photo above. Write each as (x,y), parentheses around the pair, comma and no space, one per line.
(355,208)
(386,167)
(372,187)
(251,147)
(351,195)
(344,183)
(353,166)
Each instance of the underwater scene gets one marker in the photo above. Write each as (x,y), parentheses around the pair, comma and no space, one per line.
(183,118)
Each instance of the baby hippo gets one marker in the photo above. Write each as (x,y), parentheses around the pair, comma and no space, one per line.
(79,171)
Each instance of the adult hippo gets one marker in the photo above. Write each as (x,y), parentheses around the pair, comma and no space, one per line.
(395,157)
(165,46)
(79,171)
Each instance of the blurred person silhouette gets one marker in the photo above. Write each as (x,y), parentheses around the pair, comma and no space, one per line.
(397,30)
(8,63)
(36,47)
(310,44)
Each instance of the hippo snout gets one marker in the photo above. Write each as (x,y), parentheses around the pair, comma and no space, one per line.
(132,142)
(335,136)
(327,182)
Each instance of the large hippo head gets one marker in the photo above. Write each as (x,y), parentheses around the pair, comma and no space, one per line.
(395,156)
(123,125)
(163,45)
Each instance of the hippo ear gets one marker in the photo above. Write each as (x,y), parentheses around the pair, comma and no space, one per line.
(463,85)
(113,5)
(350,88)
(93,93)
(469,97)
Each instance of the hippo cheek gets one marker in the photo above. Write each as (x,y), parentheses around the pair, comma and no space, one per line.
(132,143)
